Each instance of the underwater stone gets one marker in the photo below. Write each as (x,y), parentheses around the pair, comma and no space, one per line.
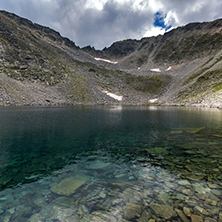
(96,165)
(193,130)
(196,218)
(199,209)
(176,132)
(210,220)
(102,216)
(216,192)
(184,182)
(144,217)
(1,211)
(7,218)
(132,211)
(12,210)
(116,201)
(201,190)
(188,192)
(165,212)
(68,186)
(181,215)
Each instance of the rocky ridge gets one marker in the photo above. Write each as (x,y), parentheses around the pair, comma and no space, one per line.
(40,67)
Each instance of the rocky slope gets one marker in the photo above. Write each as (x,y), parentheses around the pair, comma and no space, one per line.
(40,67)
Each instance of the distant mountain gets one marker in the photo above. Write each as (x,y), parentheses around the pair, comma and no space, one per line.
(40,67)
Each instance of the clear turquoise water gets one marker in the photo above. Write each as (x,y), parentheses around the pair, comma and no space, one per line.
(105,145)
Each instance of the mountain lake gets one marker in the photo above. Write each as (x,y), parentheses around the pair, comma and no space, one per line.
(110,163)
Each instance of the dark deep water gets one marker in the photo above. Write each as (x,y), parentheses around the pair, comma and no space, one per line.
(156,161)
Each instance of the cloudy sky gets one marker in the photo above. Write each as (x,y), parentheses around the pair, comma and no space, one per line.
(99,23)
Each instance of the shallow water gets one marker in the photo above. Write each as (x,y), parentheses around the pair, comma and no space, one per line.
(110,163)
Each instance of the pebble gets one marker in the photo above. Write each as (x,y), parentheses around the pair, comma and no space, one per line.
(1,211)
(184,182)
(210,220)
(12,210)
(196,218)
(145,216)
(187,212)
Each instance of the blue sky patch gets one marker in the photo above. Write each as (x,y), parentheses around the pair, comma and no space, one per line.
(159,21)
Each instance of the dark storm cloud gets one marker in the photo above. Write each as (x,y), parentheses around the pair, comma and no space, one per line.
(101,22)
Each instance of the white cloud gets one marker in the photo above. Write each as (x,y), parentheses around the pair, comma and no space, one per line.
(154,31)
(95,4)
(156,5)
(101,22)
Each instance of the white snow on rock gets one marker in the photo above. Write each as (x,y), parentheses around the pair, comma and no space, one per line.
(119,98)
(155,70)
(153,100)
(105,60)
(169,68)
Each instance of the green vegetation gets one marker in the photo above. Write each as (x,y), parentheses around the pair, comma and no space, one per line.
(205,85)
(177,49)
(152,84)
(218,87)
(79,89)
(207,62)
(197,74)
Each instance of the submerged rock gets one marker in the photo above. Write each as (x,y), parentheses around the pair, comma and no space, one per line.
(184,182)
(132,211)
(196,218)
(182,216)
(165,212)
(97,165)
(101,216)
(144,217)
(193,130)
(176,132)
(187,212)
(68,186)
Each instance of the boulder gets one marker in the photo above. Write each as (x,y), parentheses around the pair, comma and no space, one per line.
(132,211)
(196,218)
(68,186)
(165,212)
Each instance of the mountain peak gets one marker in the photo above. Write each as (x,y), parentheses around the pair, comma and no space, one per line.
(40,67)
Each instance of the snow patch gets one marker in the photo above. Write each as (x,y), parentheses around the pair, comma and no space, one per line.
(155,70)
(105,60)
(114,96)
(169,68)
(153,100)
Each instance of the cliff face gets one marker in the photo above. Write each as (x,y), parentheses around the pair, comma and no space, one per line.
(40,67)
